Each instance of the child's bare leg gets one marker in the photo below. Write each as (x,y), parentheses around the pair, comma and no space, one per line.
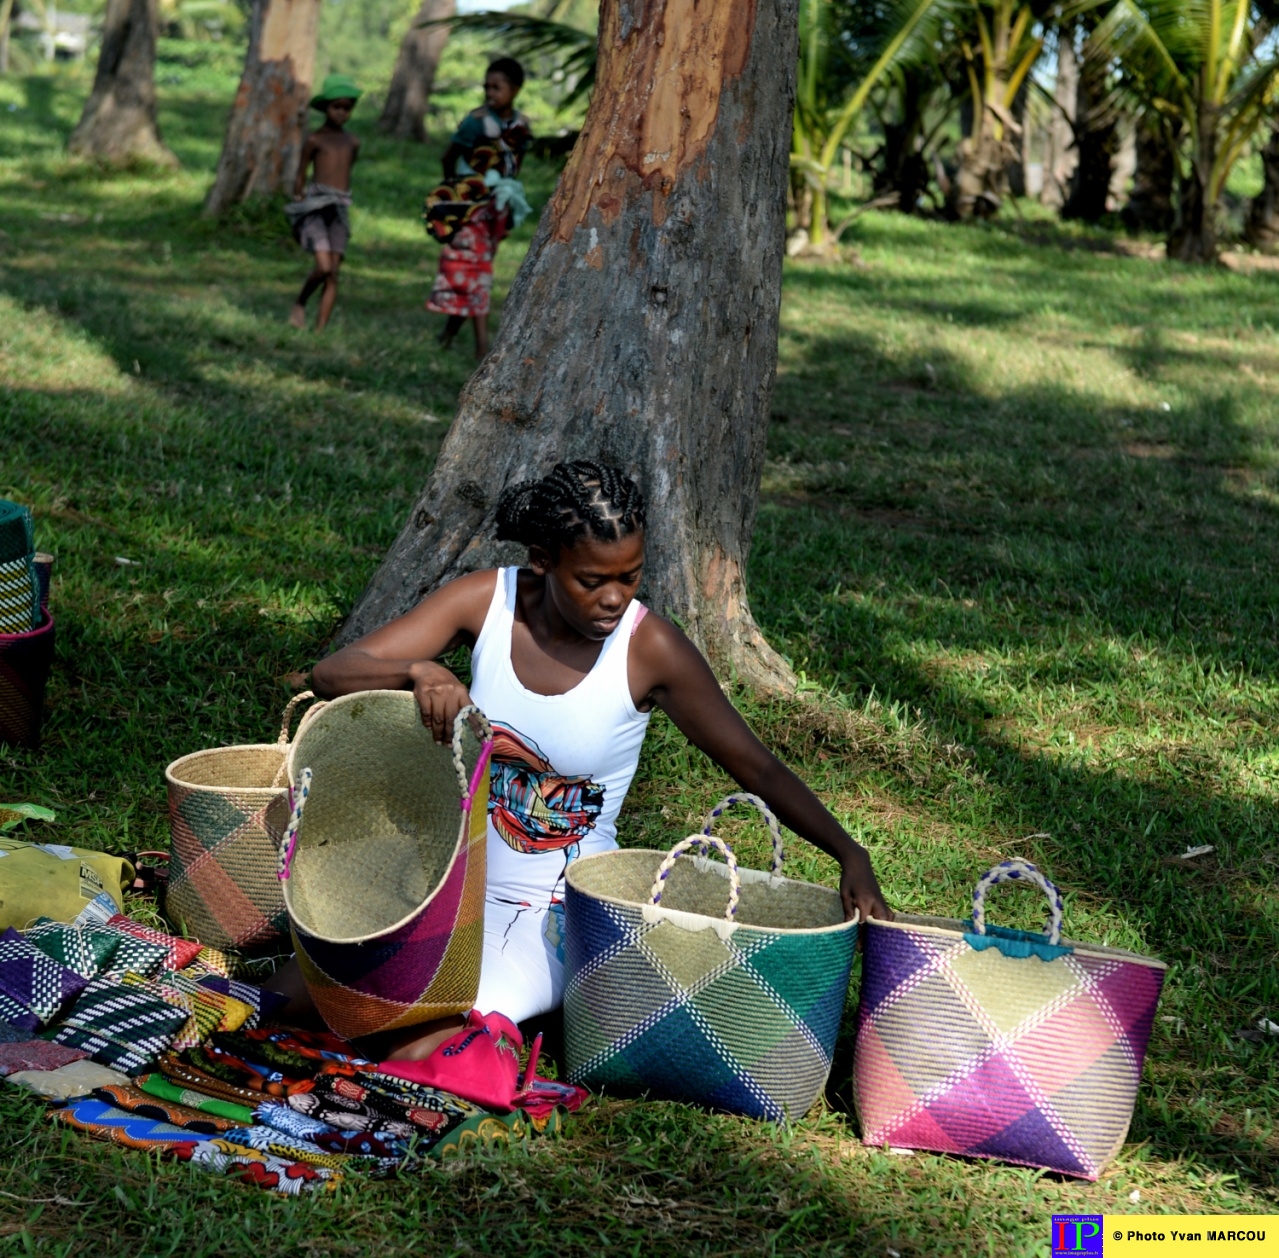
(481,323)
(319,273)
(330,294)
(452,326)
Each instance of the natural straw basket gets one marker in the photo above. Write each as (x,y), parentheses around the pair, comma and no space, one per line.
(384,863)
(227,813)
(703,982)
(1000,1043)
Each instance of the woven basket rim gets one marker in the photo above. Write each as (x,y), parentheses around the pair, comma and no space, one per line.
(953,926)
(678,915)
(27,634)
(266,791)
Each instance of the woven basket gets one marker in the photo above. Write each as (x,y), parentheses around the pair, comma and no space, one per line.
(384,864)
(25,659)
(696,981)
(227,813)
(998,1043)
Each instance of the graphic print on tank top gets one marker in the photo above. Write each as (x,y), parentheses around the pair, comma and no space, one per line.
(532,807)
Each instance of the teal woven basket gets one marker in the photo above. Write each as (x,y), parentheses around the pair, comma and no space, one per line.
(696,981)
(19,585)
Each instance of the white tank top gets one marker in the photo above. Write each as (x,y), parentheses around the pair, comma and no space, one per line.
(562,764)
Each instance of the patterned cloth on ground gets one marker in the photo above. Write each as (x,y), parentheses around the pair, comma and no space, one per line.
(298,1126)
(84,949)
(261,1169)
(186,1075)
(265,1004)
(215,962)
(158,1086)
(78,1079)
(207,1011)
(293,1149)
(276,1060)
(108,1122)
(36,1055)
(134,1100)
(124,1027)
(16,1016)
(36,981)
(179,953)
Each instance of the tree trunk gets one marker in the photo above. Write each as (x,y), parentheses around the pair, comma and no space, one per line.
(1062,157)
(404,114)
(119,119)
(642,328)
(1194,235)
(1262,229)
(981,182)
(1017,166)
(1096,140)
(268,117)
(1150,208)
(6,20)
(903,168)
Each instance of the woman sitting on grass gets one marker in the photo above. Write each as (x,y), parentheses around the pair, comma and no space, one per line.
(567,666)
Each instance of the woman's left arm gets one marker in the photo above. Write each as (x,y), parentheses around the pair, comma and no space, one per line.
(671,672)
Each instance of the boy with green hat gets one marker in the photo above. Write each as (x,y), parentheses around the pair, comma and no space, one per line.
(320,212)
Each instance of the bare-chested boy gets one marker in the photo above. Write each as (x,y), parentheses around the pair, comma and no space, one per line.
(320,211)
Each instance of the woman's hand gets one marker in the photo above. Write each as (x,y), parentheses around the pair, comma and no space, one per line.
(440,697)
(860,889)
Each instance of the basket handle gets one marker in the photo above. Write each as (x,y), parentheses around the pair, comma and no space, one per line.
(297,798)
(286,720)
(700,841)
(468,784)
(770,819)
(1026,874)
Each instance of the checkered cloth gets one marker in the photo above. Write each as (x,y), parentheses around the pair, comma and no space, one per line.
(126,1028)
(35,981)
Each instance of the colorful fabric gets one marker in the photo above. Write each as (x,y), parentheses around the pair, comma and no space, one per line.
(185,1075)
(480,1062)
(19,589)
(509,138)
(264,1004)
(36,1055)
(207,1010)
(99,911)
(215,962)
(77,1079)
(962,1049)
(16,1016)
(179,953)
(464,284)
(107,1122)
(135,1100)
(158,1086)
(37,982)
(10,1034)
(260,1169)
(119,1026)
(85,950)
(291,1149)
(372,1142)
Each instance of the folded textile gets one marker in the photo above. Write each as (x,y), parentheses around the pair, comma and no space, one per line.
(178,952)
(85,949)
(214,961)
(15,1016)
(36,1055)
(347,1134)
(37,982)
(207,1011)
(158,1086)
(276,1060)
(293,1149)
(133,1100)
(290,1178)
(119,1026)
(78,1079)
(186,1075)
(264,1004)
(10,1034)
(101,1118)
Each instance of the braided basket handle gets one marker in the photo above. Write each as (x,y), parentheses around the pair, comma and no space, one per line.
(286,720)
(468,783)
(700,841)
(297,799)
(1026,874)
(770,819)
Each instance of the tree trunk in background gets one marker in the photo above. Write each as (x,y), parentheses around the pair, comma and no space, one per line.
(6,19)
(268,117)
(404,114)
(1017,167)
(1262,229)
(1062,157)
(904,169)
(1150,208)
(642,328)
(1193,237)
(119,119)
(1096,139)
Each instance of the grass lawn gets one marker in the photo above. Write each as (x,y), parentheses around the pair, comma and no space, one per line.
(1018,532)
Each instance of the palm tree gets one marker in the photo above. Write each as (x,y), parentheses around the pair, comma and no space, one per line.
(1208,69)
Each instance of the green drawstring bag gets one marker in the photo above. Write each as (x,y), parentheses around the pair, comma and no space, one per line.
(55,881)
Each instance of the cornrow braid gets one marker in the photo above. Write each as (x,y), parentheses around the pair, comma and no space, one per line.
(572,500)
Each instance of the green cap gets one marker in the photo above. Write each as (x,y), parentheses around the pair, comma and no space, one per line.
(335,87)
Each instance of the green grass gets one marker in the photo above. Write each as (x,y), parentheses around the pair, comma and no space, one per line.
(1018,534)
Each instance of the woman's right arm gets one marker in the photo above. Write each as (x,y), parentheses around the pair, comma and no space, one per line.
(402,655)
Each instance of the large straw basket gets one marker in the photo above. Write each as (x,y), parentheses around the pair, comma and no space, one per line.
(384,864)
(25,659)
(1000,1043)
(702,982)
(227,813)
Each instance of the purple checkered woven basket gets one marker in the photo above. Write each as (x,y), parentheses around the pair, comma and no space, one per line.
(999,1043)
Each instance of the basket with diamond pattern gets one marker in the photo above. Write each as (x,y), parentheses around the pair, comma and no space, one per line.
(697,981)
(998,1043)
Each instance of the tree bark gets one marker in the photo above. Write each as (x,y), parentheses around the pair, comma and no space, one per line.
(1150,208)
(903,168)
(1096,139)
(642,328)
(119,119)
(404,114)
(1262,230)
(268,117)
(1193,237)
(6,20)
(1062,157)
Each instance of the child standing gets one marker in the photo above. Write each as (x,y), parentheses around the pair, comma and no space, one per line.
(320,212)
(465,278)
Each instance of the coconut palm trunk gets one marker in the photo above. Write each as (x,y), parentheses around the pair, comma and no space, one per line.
(404,114)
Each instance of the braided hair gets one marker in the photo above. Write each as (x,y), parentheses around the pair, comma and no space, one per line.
(572,500)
